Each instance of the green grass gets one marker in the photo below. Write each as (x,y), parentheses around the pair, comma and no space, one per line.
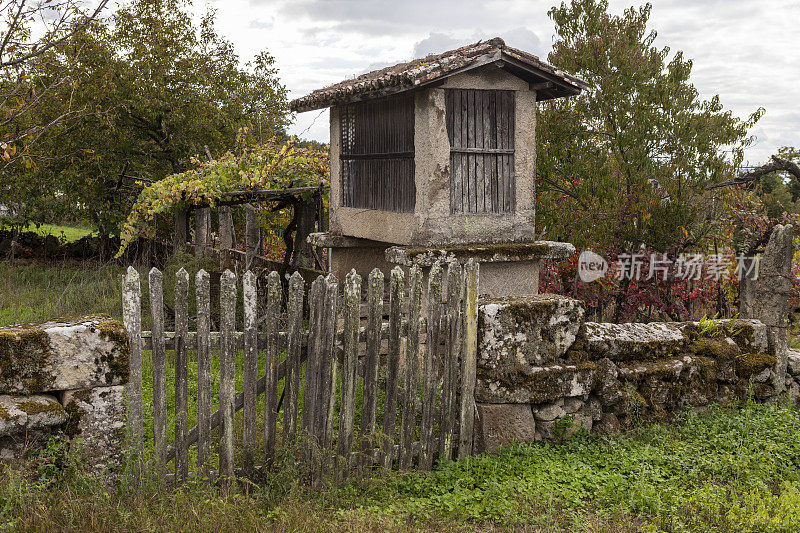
(64,233)
(726,470)
(36,292)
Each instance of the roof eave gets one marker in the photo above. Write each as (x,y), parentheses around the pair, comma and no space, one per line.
(562,84)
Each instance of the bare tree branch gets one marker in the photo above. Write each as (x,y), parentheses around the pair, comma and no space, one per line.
(38,50)
(775,165)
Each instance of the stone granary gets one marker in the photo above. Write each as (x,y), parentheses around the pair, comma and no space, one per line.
(436,158)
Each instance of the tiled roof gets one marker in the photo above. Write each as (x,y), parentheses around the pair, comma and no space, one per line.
(405,76)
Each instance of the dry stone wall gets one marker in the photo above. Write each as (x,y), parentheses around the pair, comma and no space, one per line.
(64,380)
(543,372)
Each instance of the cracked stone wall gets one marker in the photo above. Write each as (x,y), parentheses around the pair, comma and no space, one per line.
(65,380)
(544,373)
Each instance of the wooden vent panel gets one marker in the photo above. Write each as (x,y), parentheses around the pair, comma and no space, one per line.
(480,126)
(378,154)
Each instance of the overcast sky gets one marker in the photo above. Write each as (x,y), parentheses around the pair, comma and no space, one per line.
(746,51)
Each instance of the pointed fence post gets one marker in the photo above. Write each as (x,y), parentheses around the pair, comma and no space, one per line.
(250,296)
(227,384)
(392,366)
(316,308)
(352,307)
(294,313)
(430,372)
(181,374)
(369,400)
(271,378)
(409,415)
(203,300)
(469,359)
(156,283)
(132,317)
(327,373)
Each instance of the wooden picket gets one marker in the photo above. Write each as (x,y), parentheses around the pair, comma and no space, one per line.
(417,350)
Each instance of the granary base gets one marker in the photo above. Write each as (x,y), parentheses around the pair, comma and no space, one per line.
(507,269)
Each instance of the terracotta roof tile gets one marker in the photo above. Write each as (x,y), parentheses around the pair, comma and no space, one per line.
(405,76)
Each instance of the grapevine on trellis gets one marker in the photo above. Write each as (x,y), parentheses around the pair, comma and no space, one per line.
(272,165)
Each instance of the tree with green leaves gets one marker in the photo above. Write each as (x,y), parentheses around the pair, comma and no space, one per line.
(628,161)
(162,90)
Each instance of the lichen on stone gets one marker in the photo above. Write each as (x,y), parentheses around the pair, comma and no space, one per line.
(113,331)
(23,350)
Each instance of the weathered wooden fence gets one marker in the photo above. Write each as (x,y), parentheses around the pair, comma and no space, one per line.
(341,396)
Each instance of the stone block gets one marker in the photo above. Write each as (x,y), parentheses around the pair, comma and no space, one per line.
(537,385)
(608,424)
(61,355)
(627,342)
(97,424)
(548,412)
(498,425)
(793,361)
(20,414)
(517,334)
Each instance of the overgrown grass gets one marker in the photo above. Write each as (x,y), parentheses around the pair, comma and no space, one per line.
(63,233)
(33,292)
(726,470)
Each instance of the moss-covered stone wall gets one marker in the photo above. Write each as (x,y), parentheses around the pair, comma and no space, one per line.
(64,379)
(600,377)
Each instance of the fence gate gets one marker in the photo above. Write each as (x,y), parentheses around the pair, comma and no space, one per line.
(343,393)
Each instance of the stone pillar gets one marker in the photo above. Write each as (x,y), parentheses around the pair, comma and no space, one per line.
(767,297)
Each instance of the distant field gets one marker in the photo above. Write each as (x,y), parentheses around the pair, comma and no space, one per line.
(67,233)
(41,291)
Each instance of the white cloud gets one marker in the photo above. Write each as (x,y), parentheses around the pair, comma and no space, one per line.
(747,52)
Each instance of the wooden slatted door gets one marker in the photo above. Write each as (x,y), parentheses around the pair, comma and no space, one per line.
(480,126)
(377,154)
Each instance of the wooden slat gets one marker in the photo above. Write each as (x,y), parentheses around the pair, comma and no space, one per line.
(392,366)
(227,384)
(409,415)
(371,361)
(132,318)
(181,373)
(469,358)
(156,285)
(377,154)
(462,142)
(271,376)
(294,313)
(352,307)
(327,374)
(203,301)
(427,451)
(311,394)
(450,362)
(510,180)
(250,300)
